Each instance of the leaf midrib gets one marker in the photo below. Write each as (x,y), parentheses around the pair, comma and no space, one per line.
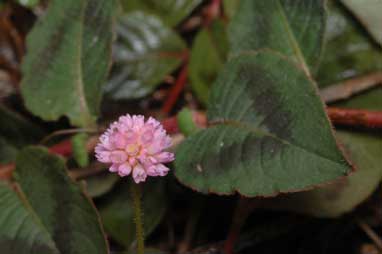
(84,108)
(292,39)
(30,210)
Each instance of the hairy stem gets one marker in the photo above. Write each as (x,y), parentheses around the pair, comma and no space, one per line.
(138,217)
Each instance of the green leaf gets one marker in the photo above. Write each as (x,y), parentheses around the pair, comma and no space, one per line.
(349,52)
(15,132)
(118,214)
(369,14)
(292,27)
(186,122)
(21,231)
(270,133)
(68,60)
(171,12)
(80,152)
(345,194)
(208,54)
(61,206)
(145,52)
(8,151)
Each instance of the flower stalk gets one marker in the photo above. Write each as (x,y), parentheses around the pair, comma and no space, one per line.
(136,194)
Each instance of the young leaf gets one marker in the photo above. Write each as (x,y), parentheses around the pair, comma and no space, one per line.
(292,27)
(186,122)
(61,206)
(171,12)
(68,60)
(80,152)
(369,14)
(21,231)
(145,52)
(345,194)
(270,133)
(208,54)
(118,214)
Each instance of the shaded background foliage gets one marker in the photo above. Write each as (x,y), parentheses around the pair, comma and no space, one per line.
(254,70)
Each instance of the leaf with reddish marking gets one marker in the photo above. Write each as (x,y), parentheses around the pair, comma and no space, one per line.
(68,60)
(61,206)
(270,133)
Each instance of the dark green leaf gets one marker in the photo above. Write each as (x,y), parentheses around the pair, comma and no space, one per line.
(369,14)
(270,133)
(118,214)
(68,60)
(345,194)
(15,132)
(21,231)
(8,151)
(145,52)
(208,55)
(18,130)
(292,27)
(171,12)
(61,206)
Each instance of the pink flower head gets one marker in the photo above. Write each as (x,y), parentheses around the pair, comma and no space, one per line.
(133,146)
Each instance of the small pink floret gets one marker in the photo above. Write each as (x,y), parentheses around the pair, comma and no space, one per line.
(135,146)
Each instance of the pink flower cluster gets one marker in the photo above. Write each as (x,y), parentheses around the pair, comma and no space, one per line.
(134,146)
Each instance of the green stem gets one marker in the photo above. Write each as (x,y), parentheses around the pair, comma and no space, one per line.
(138,218)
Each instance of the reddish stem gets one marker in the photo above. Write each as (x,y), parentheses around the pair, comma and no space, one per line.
(171,125)
(355,117)
(243,209)
(176,89)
